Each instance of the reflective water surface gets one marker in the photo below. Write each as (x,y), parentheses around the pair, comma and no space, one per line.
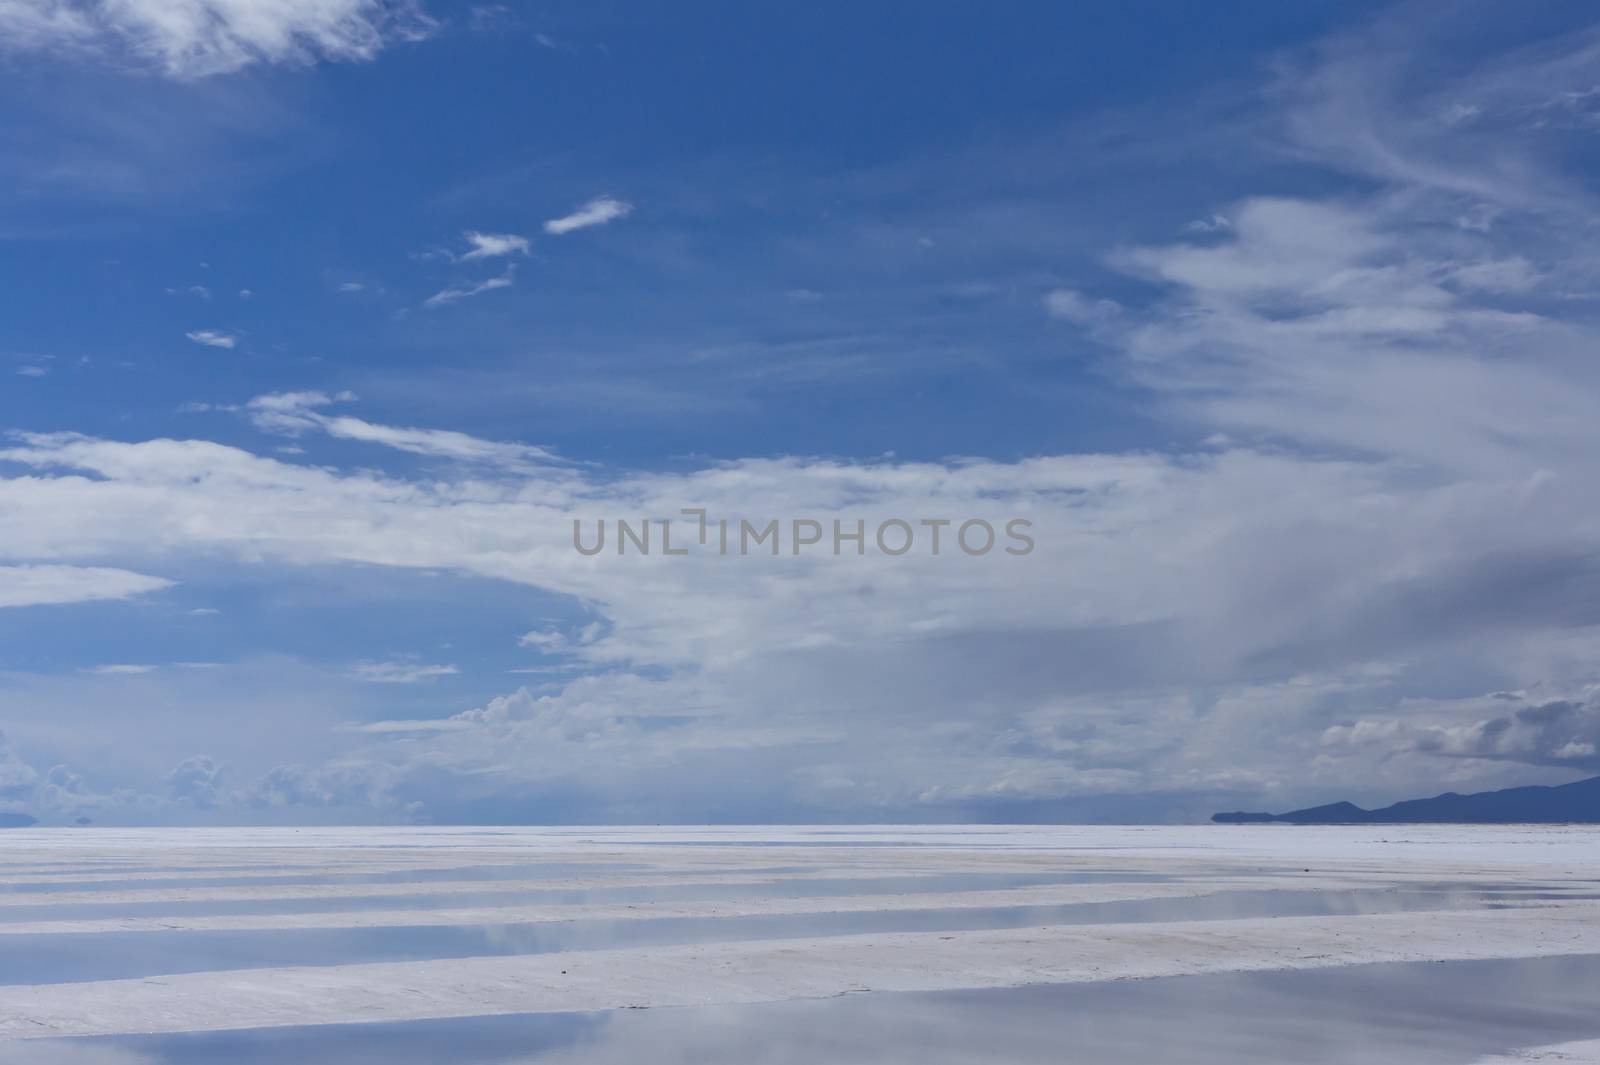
(632,908)
(528,871)
(27,958)
(1417,1014)
(819,887)
(54,958)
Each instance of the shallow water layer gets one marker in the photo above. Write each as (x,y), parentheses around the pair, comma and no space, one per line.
(781,888)
(530,871)
(72,957)
(1414,1014)
(388,877)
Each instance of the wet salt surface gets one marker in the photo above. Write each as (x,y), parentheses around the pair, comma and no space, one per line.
(27,958)
(1406,1014)
(683,919)
(181,879)
(796,888)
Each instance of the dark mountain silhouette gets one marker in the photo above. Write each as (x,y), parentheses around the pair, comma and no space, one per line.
(10,820)
(1565,803)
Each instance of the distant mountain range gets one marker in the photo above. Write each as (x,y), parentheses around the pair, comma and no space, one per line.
(1578,802)
(11,820)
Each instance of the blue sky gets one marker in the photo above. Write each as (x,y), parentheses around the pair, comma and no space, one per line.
(326,319)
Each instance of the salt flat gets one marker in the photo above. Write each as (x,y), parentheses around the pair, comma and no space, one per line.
(1502,892)
(1586,1052)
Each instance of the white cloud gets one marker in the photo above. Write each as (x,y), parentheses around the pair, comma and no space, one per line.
(550,641)
(1217,223)
(118,670)
(597,212)
(399,672)
(1079,309)
(455,293)
(1340,324)
(482,17)
(494,245)
(1417,506)
(296,412)
(31,24)
(1394,495)
(32,371)
(1510,274)
(291,412)
(401,727)
(197,38)
(483,246)
(36,585)
(212,338)
(1157,576)
(439,443)
(1375,101)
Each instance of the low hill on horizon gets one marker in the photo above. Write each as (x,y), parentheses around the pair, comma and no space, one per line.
(1575,803)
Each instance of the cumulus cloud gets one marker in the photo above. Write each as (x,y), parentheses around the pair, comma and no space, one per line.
(357,785)
(199,38)
(200,782)
(56,795)
(1563,733)
(17,779)
(597,212)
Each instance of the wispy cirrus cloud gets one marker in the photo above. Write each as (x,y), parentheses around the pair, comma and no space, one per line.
(597,212)
(37,585)
(466,290)
(292,413)
(212,338)
(399,672)
(494,245)
(198,38)
(39,24)
(1073,306)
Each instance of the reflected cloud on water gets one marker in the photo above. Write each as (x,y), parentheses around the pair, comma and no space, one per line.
(1416,1014)
(27,958)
